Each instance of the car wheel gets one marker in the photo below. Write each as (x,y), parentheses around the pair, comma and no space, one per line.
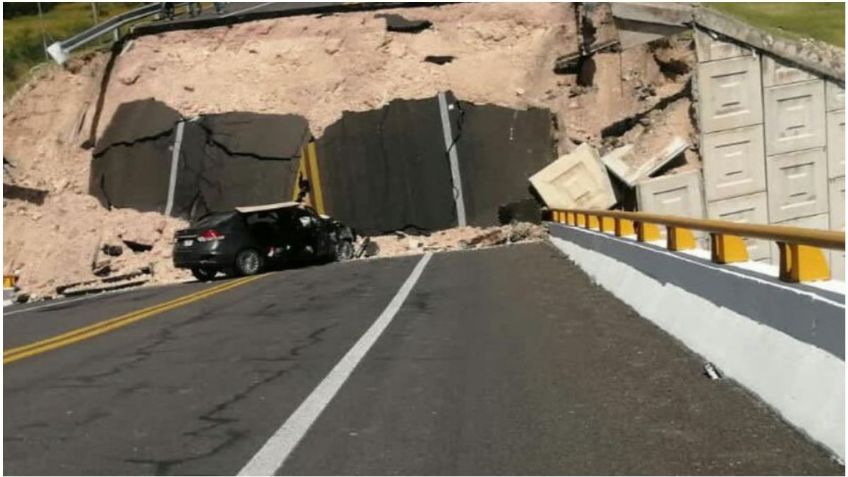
(203,274)
(248,262)
(344,250)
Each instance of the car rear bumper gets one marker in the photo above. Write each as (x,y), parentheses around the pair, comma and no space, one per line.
(201,258)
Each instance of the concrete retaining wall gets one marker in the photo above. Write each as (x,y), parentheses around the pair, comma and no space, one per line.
(785,343)
(769,126)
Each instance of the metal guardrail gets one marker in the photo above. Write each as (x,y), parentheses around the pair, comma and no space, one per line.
(801,257)
(60,50)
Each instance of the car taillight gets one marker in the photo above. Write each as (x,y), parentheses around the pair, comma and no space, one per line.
(210,235)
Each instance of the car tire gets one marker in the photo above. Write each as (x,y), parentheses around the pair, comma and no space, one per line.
(203,274)
(249,262)
(344,250)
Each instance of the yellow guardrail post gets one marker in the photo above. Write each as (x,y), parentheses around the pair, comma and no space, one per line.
(581,220)
(593,223)
(801,263)
(726,248)
(570,219)
(678,238)
(607,224)
(646,232)
(624,227)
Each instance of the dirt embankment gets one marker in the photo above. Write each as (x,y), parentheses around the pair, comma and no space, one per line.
(504,54)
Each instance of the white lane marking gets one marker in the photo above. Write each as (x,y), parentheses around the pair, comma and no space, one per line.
(454,160)
(175,160)
(811,294)
(274,453)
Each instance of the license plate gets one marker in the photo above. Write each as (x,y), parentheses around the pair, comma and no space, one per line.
(187,243)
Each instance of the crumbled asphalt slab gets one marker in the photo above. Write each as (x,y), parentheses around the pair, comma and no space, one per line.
(506,360)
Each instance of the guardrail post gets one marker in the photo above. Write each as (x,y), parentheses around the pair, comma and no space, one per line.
(592,222)
(802,263)
(570,219)
(581,220)
(679,239)
(727,248)
(607,224)
(624,227)
(646,232)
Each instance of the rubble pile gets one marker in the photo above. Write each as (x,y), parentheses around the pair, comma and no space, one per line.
(459,238)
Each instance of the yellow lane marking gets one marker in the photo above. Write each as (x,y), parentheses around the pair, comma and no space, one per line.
(112,324)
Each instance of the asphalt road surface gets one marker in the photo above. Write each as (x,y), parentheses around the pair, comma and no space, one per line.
(499,361)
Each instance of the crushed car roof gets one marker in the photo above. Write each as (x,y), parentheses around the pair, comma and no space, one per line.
(260,208)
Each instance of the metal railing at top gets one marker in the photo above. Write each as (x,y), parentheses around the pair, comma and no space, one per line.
(801,257)
(60,50)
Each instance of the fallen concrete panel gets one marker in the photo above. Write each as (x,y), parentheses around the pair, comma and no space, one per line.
(387,169)
(620,161)
(577,180)
(135,121)
(734,162)
(730,94)
(677,194)
(711,47)
(835,144)
(748,209)
(777,72)
(834,96)
(133,176)
(797,184)
(795,117)
(268,136)
(498,149)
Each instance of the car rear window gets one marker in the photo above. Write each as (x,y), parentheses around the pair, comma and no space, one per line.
(212,220)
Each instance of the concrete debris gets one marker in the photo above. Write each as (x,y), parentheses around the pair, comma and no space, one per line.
(459,238)
(628,168)
(575,181)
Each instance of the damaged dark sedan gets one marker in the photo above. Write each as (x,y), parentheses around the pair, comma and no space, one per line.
(248,240)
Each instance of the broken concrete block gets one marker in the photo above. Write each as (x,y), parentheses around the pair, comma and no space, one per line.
(622,163)
(677,194)
(575,181)
(747,209)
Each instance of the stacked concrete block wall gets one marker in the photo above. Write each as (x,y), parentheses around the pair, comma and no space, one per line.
(730,113)
(772,141)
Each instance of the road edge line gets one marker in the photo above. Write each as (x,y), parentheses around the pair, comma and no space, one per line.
(280,445)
